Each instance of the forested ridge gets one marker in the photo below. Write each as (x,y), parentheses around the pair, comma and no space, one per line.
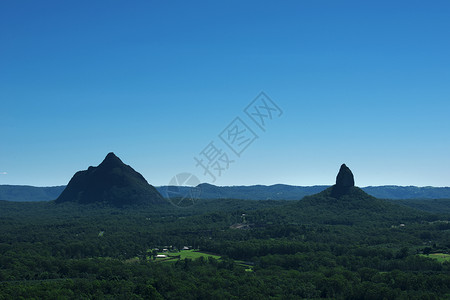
(254,192)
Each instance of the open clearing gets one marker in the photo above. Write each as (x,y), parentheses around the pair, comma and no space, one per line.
(441,257)
(247,265)
(183,254)
(195,254)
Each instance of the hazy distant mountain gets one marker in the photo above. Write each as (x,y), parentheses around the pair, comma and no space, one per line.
(408,192)
(113,183)
(29,193)
(254,192)
(290,192)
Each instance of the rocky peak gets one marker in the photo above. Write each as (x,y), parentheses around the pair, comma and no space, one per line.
(345,177)
(344,182)
(111,160)
(112,182)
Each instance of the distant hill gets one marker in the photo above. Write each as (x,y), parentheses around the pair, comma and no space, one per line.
(253,192)
(408,192)
(21,193)
(112,183)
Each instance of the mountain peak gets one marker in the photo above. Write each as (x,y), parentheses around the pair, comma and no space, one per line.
(111,155)
(345,177)
(112,182)
(111,158)
(344,182)
(344,195)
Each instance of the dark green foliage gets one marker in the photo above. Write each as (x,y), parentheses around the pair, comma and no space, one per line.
(351,247)
(433,206)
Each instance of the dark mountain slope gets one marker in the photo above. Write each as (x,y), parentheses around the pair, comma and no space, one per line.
(343,203)
(112,182)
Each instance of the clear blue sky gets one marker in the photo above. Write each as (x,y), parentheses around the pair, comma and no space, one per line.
(365,83)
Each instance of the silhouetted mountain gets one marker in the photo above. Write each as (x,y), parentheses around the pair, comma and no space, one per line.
(113,183)
(344,181)
(344,190)
(353,197)
(346,204)
(345,177)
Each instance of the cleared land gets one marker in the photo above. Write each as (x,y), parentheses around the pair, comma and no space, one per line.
(195,254)
(441,257)
(183,254)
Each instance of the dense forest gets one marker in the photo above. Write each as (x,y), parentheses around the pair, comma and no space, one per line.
(352,248)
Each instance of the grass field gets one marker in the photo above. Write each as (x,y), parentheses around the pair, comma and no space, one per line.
(248,267)
(441,257)
(195,254)
(183,254)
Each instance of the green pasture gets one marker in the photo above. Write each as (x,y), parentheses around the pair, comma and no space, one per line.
(441,257)
(183,254)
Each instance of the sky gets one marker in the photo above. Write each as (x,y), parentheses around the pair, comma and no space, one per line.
(167,84)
